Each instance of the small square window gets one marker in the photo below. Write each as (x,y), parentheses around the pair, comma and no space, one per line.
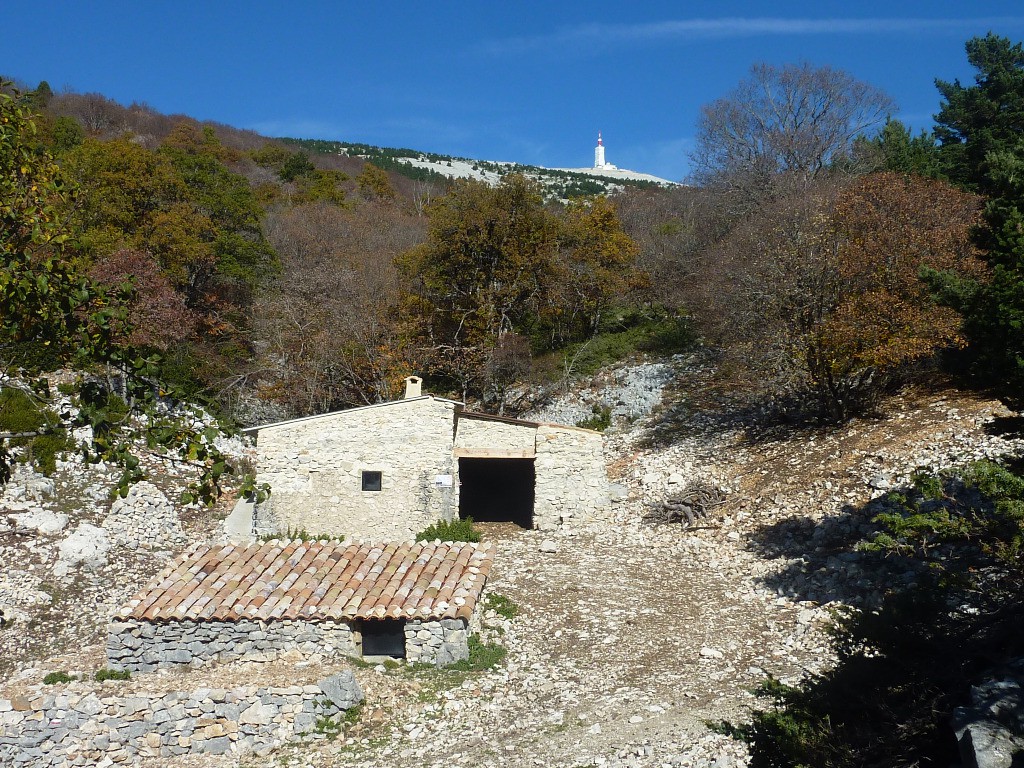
(371,481)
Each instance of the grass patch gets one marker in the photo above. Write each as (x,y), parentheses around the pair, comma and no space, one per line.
(332,726)
(301,534)
(482,657)
(432,680)
(450,530)
(501,605)
(620,337)
(112,674)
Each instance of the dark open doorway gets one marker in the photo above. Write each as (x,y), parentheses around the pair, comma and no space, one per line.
(497,490)
(383,637)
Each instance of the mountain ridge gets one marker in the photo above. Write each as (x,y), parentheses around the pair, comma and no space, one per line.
(432,166)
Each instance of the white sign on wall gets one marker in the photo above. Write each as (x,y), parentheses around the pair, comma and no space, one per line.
(443,481)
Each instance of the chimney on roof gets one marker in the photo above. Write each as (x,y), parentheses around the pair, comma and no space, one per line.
(413,385)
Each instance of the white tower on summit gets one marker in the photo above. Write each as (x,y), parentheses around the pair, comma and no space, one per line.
(599,163)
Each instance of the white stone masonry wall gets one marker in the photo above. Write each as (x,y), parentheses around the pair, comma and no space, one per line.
(572,484)
(315,468)
(482,437)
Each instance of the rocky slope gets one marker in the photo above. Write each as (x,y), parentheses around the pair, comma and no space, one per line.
(629,637)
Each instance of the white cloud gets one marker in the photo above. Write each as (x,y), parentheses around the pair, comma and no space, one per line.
(590,36)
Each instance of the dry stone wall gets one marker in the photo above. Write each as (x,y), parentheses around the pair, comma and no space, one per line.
(144,518)
(83,728)
(436,642)
(141,646)
(571,481)
(314,468)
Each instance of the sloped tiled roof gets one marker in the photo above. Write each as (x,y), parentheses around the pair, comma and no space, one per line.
(317,581)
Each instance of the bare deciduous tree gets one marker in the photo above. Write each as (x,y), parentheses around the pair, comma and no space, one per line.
(784,126)
(326,332)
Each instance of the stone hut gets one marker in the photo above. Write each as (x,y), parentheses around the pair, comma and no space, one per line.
(311,598)
(388,471)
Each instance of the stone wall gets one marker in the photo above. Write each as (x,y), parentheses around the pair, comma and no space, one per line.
(314,468)
(142,646)
(436,642)
(484,438)
(571,480)
(82,728)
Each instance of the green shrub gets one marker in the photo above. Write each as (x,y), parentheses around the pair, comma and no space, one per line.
(600,421)
(450,530)
(58,677)
(19,413)
(44,449)
(112,674)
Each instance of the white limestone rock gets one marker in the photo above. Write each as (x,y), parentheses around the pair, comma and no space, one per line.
(42,520)
(87,545)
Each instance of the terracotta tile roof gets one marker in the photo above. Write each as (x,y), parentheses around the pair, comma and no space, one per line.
(316,581)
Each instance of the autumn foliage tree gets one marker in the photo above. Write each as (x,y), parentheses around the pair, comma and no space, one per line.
(483,272)
(501,275)
(824,293)
(157,316)
(49,304)
(595,267)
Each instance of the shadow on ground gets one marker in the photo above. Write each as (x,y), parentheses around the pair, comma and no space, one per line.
(821,560)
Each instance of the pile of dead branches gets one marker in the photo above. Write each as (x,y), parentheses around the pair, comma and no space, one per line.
(691,507)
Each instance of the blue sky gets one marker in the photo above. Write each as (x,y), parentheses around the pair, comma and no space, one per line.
(527,81)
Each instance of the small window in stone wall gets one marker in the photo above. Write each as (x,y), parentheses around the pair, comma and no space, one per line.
(371,481)
(383,637)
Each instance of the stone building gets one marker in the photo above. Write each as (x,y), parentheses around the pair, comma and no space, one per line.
(387,471)
(312,598)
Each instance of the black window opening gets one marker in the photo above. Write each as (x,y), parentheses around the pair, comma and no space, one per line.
(497,490)
(383,637)
(371,481)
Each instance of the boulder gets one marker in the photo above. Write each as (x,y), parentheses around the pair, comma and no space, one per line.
(991,731)
(342,689)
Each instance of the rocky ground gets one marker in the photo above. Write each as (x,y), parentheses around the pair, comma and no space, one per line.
(629,638)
